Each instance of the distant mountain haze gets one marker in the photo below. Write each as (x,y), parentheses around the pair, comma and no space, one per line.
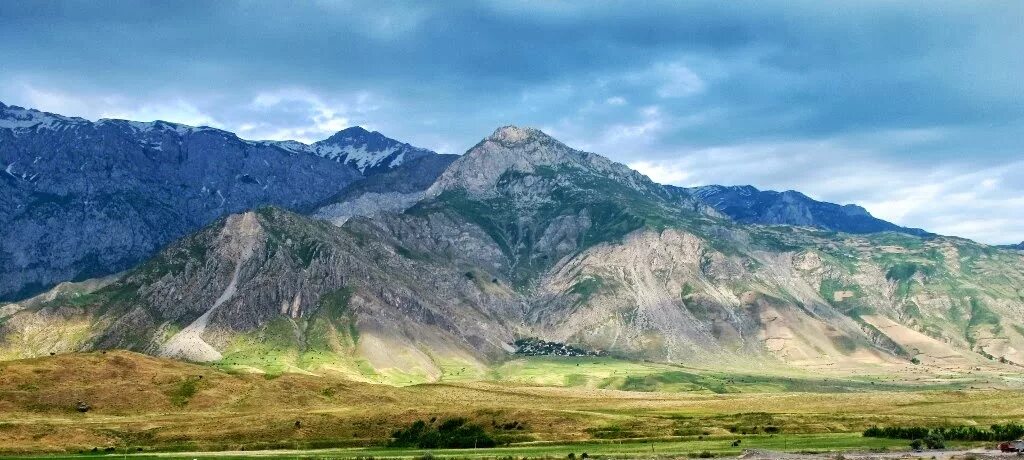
(749,205)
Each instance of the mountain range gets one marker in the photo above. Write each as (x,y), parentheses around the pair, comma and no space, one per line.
(86,199)
(439,265)
(749,205)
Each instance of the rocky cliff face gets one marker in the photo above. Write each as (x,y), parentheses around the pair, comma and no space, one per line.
(525,237)
(800,297)
(275,282)
(86,199)
(393,191)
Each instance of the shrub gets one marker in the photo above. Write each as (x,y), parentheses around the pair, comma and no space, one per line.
(451,433)
(935,441)
(183,392)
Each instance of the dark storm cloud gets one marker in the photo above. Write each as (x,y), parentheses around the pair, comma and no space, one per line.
(916,89)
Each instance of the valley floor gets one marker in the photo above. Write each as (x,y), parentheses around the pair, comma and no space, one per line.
(813,447)
(143,405)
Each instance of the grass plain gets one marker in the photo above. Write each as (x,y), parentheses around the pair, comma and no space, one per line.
(145,405)
(813,443)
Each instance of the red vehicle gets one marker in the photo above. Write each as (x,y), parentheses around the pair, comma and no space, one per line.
(1012,446)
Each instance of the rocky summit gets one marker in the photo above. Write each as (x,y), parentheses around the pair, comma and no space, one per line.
(526,240)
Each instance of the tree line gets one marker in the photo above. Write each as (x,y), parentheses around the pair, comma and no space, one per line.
(1007,432)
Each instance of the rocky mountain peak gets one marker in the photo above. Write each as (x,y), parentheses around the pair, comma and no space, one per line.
(512,134)
(368,151)
(525,150)
(855,210)
(350,134)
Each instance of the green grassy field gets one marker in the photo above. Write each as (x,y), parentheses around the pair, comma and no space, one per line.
(616,374)
(717,446)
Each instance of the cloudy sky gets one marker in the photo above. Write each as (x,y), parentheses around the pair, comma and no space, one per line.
(914,110)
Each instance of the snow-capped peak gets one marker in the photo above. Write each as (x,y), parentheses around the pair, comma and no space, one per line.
(366,150)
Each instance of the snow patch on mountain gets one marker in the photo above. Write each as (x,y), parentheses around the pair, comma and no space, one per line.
(18,118)
(363,150)
(367,151)
(359,157)
(288,146)
(144,127)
